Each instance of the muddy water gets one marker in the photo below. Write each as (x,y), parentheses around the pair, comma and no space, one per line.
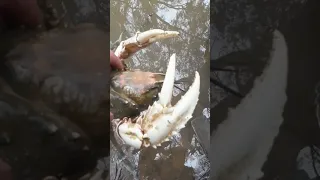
(185,158)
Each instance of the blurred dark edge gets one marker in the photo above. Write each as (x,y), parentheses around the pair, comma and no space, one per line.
(100,17)
(301,29)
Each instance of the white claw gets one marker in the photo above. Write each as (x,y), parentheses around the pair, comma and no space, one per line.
(142,40)
(166,125)
(167,88)
(186,105)
(131,134)
(155,35)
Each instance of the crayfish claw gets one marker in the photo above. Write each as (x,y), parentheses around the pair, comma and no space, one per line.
(142,40)
(161,120)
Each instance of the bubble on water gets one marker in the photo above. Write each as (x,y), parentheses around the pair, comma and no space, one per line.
(206,112)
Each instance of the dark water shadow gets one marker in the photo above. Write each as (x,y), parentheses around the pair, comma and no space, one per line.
(69,162)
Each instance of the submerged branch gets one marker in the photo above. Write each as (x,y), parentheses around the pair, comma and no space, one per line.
(176,6)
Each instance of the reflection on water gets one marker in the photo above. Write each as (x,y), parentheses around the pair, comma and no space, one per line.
(185,157)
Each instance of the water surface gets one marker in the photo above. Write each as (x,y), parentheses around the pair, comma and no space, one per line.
(184,159)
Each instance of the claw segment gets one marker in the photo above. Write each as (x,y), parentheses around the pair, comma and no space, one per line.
(130,133)
(192,95)
(154,35)
(166,93)
(142,40)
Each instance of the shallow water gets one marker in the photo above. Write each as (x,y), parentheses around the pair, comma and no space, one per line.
(185,158)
